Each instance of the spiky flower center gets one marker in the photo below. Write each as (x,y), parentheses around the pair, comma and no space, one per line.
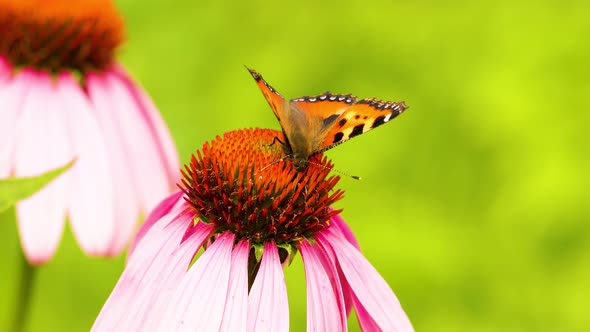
(239,183)
(57,35)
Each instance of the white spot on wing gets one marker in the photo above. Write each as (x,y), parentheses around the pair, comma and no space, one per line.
(387,118)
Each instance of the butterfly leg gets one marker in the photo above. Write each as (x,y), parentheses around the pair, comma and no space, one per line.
(276,139)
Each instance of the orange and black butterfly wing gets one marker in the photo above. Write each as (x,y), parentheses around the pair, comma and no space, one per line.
(359,118)
(277,103)
(322,110)
(327,106)
(275,100)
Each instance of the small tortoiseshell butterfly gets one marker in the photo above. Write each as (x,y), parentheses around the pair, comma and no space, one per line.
(312,125)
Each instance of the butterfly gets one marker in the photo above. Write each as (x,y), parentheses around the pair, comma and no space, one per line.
(314,124)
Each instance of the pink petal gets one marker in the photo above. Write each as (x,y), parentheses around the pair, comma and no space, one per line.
(372,292)
(198,302)
(325,303)
(343,227)
(12,97)
(42,144)
(236,303)
(149,175)
(158,302)
(346,291)
(163,208)
(268,308)
(126,201)
(152,274)
(158,127)
(91,191)
(364,318)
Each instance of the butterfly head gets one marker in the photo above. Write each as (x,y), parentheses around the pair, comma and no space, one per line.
(300,164)
(299,160)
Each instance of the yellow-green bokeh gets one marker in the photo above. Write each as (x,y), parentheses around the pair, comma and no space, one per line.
(473,203)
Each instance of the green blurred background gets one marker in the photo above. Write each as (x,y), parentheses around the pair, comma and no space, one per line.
(473,204)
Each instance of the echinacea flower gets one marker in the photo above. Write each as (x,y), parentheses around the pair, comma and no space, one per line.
(63,97)
(249,212)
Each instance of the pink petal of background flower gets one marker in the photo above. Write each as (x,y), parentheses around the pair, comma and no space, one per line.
(125,158)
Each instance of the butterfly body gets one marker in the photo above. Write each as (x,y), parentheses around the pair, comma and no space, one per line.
(314,124)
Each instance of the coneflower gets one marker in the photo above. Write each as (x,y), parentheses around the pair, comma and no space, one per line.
(63,96)
(211,257)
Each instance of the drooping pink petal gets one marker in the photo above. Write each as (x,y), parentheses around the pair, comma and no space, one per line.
(236,303)
(325,303)
(153,272)
(343,227)
(126,201)
(198,302)
(268,308)
(12,96)
(149,174)
(364,318)
(346,291)
(91,192)
(163,208)
(158,127)
(42,144)
(372,292)
(340,226)
(158,302)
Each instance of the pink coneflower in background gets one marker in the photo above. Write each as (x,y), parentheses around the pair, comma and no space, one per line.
(250,215)
(64,97)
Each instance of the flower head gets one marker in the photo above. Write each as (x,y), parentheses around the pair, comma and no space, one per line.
(236,184)
(56,35)
(251,212)
(64,97)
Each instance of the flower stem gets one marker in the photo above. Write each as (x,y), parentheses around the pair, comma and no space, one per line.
(24,291)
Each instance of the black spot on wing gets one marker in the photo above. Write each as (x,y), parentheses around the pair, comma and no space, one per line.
(378,121)
(329,120)
(342,122)
(338,137)
(357,130)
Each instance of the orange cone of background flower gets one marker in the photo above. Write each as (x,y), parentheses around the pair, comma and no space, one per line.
(251,215)
(64,97)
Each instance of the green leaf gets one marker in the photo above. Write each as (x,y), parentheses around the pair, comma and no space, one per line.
(13,190)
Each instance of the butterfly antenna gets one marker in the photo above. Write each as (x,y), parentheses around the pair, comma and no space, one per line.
(269,165)
(336,170)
